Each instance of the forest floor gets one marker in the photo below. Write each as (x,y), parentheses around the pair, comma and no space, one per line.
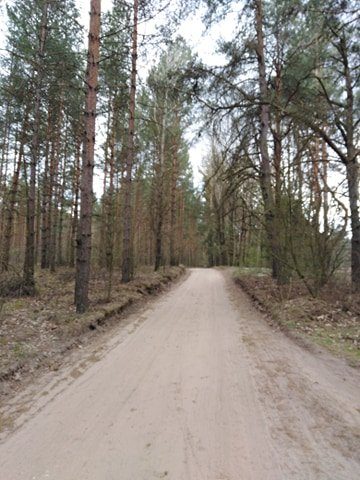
(331,320)
(36,333)
(194,385)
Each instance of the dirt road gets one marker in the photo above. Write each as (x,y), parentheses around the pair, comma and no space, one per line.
(196,387)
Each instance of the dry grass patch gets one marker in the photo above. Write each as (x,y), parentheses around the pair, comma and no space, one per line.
(34,331)
(331,320)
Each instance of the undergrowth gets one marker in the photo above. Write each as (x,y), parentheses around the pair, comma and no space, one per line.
(332,319)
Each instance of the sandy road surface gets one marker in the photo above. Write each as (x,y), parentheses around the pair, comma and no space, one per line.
(197,387)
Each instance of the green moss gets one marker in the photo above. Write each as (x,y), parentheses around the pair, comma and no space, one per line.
(19,350)
(14,305)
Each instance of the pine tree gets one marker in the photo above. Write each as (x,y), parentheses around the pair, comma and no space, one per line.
(83,258)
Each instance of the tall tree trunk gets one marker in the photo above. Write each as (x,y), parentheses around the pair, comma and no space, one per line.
(109,201)
(38,221)
(29,262)
(281,271)
(10,208)
(158,238)
(54,190)
(83,258)
(174,258)
(45,202)
(324,160)
(353,179)
(76,192)
(127,251)
(104,203)
(352,168)
(159,221)
(265,167)
(4,161)
(60,258)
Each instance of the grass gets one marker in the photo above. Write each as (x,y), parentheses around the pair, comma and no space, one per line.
(19,351)
(257,271)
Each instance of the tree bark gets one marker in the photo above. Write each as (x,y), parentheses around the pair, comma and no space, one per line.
(55,167)
(265,166)
(10,208)
(76,191)
(352,174)
(29,262)
(59,253)
(127,251)
(109,198)
(352,168)
(160,189)
(83,258)
(45,202)
(174,258)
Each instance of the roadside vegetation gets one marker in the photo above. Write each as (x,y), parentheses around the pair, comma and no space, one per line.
(331,319)
(36,332)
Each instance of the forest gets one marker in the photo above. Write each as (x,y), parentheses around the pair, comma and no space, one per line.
(95,170)
(179,239)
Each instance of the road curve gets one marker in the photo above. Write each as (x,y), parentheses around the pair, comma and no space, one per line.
(197,387)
